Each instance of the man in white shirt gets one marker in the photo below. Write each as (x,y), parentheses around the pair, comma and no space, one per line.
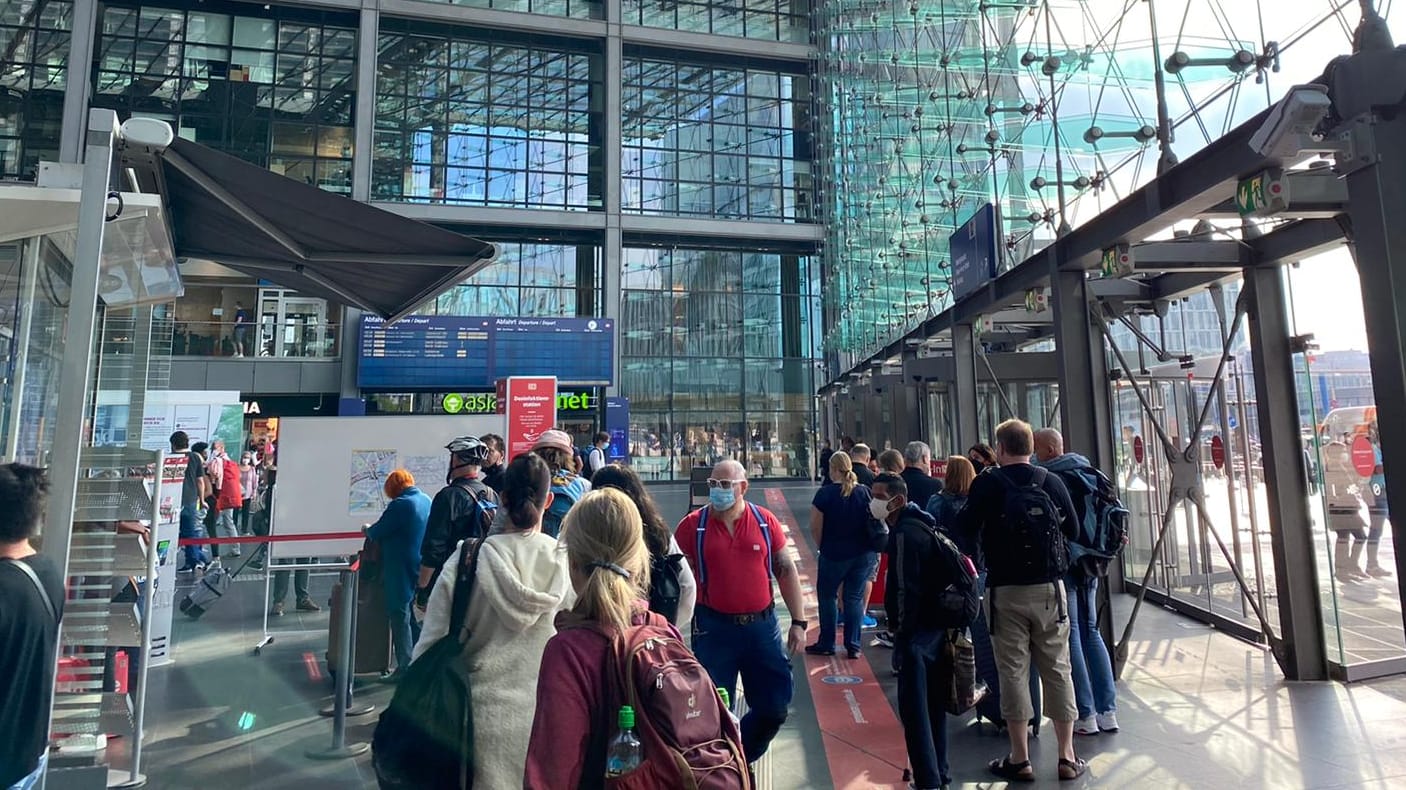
(596,459)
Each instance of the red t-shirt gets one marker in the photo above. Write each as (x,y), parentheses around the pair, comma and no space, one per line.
(738,580)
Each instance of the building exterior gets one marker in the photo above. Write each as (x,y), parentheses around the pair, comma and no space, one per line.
(651,162)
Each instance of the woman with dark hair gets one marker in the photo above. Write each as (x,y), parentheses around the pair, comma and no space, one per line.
(982,457)
(520,584)
(663,548)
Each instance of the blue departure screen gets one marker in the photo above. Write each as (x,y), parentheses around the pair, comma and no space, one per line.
(458,352)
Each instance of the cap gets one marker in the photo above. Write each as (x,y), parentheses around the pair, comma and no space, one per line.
(557,439)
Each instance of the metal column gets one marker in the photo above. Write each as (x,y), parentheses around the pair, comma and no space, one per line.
(1286,484)
(1085,415)
(364,114)
(964,387)
(79,88)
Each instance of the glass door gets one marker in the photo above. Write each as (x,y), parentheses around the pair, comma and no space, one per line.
(291,325)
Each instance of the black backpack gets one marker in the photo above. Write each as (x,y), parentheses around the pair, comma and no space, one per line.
(1029,547)
(957,603)
(665,585)
(425,738)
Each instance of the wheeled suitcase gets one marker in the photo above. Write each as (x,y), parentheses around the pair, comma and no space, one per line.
(989,707)
(213,586)
(372,651)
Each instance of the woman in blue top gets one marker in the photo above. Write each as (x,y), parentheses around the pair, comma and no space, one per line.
(399,532)
(839,522)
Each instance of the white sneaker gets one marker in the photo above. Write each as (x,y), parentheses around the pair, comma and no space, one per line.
(1086,726)
(1107,722)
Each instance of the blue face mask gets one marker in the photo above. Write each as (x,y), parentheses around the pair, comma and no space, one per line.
(722,498)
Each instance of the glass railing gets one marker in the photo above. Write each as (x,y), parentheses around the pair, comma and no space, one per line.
(304,340)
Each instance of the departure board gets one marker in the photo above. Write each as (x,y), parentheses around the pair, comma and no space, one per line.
(451,353)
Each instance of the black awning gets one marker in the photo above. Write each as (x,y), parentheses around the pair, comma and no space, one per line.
(296,235)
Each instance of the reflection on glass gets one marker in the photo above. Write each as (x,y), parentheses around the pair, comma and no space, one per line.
(772,20)
(528,280)
(34,44)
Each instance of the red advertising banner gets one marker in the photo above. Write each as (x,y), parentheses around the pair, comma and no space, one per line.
(531,407)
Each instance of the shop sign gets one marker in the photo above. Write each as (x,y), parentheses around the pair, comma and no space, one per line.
(487,402)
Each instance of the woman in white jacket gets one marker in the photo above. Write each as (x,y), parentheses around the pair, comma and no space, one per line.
(521,583)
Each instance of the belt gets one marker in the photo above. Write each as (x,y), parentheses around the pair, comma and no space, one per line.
(741,619)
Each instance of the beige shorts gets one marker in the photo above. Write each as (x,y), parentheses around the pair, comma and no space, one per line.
(1032,623)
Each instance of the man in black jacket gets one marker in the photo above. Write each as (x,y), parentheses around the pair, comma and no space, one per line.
(915,576)
(1017,514)
(463,509)
(859,455)
(917,473)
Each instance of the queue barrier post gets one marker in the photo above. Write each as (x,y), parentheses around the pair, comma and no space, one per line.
(340,749)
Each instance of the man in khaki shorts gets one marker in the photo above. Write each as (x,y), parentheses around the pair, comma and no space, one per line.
(1021,516)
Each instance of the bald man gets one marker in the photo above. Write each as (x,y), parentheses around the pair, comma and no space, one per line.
(735,550)
(1049,445)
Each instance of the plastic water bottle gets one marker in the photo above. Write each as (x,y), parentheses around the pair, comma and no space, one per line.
(625,753)
(727,703)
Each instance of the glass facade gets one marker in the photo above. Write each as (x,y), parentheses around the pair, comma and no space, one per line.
(578,9)
(543,280)
(34,43)
(483,118)
(772,20)
(275,88)
(715,141)
(717,358)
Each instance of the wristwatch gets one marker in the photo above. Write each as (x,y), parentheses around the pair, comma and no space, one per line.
(803,624)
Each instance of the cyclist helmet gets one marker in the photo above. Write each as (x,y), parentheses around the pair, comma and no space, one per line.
(468,450)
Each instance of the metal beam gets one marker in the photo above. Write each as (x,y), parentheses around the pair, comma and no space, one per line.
(364,149)
(490,18)
(1296,241)
(79,88)
(1189,253)
(964,385)
(1292,541)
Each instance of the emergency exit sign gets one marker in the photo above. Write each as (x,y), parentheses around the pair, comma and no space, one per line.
(1262,194)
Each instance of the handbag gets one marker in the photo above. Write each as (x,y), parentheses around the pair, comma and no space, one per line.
(965,690)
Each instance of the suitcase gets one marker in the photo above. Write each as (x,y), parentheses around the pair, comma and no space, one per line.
(372,651)
(213,586)
(989,708)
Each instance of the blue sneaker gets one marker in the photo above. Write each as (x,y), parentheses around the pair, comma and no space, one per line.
(870,622)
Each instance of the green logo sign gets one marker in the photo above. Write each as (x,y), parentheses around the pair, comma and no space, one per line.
(453,404)
(487,402)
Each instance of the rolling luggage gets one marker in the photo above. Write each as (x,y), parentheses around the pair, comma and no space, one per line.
(372,651)
(213,586)
(989,707)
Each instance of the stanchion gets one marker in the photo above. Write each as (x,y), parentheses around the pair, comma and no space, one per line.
(352,708)
(342,695)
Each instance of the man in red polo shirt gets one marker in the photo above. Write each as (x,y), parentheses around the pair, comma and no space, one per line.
(735,550)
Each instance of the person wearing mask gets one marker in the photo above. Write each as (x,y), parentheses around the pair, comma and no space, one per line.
(947,503)
(556,449)
(462,510)
(917,575)
(1028,608)
(31,607)
(493,466)
(399,532)
(839,524)
(982,457)
(735,628)
(860,455)
(891,462)
(193,489)
(609,570)
(658,538)
(596,457)
(230,498)
(522,581)
(1091,667)
(249,486)
(917,473)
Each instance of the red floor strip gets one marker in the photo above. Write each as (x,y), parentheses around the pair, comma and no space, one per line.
(863,739)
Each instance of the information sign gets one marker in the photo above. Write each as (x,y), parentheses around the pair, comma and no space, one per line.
(973,250)
(617,424)
(1364,456)
(531,406)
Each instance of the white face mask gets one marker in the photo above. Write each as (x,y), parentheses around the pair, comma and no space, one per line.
(879,508)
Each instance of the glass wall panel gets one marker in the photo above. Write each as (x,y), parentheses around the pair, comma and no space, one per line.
(527,280)
(479,118)
(772,20)
(576,9)
(34,43)
(715,142)
(274,86)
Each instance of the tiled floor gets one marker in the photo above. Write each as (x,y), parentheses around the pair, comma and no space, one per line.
(1198,710)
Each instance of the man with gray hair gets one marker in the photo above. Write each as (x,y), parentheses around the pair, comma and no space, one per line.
(917,473)
(860,455)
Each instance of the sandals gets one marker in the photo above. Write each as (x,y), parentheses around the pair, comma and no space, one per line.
(1069,770)
(1015,772)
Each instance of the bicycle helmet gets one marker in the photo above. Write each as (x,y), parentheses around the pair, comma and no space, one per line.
(468,450)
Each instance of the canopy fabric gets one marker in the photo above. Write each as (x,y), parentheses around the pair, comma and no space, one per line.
(298,236)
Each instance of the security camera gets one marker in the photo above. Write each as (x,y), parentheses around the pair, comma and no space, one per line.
(152,134)
(1288,129)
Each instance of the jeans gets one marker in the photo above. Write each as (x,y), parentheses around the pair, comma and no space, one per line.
(727,649)
(244,517)
(853,574)
(405,632)
(225,528)
(300,582)
(190,528)
(1092,668)
(923,682)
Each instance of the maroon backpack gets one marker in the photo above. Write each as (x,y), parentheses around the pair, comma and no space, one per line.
(690,741)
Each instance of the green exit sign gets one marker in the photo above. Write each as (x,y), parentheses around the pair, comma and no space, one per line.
(1262,194)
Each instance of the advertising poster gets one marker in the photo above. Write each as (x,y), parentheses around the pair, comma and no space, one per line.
(617,424)
(531,407)
(166,531)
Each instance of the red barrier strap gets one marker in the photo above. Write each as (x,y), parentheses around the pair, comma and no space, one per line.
(270,539)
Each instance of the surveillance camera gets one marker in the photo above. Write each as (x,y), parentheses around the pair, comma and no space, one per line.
(1284,134)
(153,134)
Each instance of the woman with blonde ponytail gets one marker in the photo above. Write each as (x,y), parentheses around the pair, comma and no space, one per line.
(839,524)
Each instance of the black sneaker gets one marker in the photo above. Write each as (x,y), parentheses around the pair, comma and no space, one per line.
(818,649)
(884,639)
